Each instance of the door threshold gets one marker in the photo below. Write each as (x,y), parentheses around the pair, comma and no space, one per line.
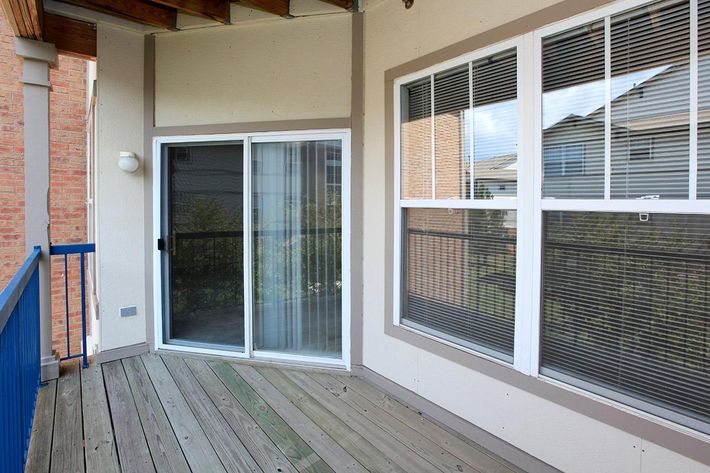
(240,358)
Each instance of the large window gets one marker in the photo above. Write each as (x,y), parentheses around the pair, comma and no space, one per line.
(624,292)
(626,305)
(458,181)
(459,282)
(581,251)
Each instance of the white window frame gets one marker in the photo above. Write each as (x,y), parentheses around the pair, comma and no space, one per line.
(523,47)
(690,205)
(530,203)
(342,135)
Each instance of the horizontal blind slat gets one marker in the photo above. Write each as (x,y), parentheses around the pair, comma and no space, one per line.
(625,305)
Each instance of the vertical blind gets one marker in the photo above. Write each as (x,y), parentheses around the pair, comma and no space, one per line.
(297,250)
(459,276)
(625,306)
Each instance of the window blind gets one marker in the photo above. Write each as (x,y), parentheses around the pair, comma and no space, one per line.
(650,69)
(625,307)
(704,99)
(573,112)
(451,100)
(495,126)
(416,137)
(474,113)
(459,276)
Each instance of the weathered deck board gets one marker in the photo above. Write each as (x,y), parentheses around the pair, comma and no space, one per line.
(235,457)
(131,443)
(299,453)
(99,449)
(68,441)
(195,445)
(327,448)
(177,414)
(467,451)
(358,446)
(164,447)
(400,453)
(40,451)
(410,437)
(264,451)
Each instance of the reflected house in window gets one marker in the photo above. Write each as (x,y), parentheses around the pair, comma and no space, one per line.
(496,177)
(574,152)
(650,143)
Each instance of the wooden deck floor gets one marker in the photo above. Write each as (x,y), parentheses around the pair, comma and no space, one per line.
(176,414)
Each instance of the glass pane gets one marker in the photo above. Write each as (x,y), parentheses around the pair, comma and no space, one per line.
(495,126)
(297,247)
(415,146)
(459,276)
(451,101)
(650,140)
(704,99)
(573,113)
(625,304)
(206,257)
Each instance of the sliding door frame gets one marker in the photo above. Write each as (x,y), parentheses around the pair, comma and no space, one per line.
(159,286)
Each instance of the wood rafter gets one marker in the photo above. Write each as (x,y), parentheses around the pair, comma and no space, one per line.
(140,11)
(72,37)
(277,7)
(347,4)
(217,10)
(25,17)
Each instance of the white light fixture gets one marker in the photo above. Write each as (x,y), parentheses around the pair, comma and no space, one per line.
(127,161)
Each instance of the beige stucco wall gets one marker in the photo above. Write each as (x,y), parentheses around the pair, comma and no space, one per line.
(298,69)
(565,439)
(120,198)
(263,71)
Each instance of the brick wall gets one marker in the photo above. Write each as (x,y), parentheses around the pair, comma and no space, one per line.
(67,194)
(67,176)
(12,184)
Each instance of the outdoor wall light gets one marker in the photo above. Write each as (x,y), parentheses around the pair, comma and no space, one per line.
(127,161)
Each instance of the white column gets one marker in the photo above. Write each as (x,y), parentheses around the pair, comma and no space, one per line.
(38,57)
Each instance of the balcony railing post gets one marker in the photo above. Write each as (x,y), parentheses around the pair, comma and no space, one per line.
(67,250)
(83,312)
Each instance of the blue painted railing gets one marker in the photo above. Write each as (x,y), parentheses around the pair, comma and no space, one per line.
(19,363)
(72,249)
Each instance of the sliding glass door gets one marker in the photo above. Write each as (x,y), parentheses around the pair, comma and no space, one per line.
(268,282)
(204,244)
(297,249)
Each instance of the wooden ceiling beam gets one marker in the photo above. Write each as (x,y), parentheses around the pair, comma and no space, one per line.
(347,4)
(277,7)
(25,17)
(140,11)
(71,37)
(217,10)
